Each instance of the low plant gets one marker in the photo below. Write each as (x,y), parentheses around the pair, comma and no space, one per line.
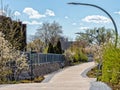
(26,81)
(39,79)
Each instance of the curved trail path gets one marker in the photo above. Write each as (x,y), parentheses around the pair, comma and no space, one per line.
(68,79)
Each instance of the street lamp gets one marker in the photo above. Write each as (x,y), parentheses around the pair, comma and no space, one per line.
(31,64)
(92,5)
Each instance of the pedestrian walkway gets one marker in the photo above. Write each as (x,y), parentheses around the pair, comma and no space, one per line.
(67,79)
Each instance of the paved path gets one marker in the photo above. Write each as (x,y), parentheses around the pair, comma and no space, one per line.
(67,79)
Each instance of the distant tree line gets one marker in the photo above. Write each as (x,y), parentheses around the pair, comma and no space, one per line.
(57,49)
(47,38)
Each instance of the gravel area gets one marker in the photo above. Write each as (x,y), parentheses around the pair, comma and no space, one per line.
(99,86)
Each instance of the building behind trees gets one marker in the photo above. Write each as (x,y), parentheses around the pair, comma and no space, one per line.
(14,31)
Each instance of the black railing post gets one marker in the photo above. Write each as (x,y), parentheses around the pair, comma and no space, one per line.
(31,66)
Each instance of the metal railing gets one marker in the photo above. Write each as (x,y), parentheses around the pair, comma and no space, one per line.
(40,58)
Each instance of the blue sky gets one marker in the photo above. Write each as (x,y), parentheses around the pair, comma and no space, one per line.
(72,18)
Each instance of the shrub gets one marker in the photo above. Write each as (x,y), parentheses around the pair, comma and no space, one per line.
(76,57)
(83,57)
(39,79)
(79,56)
(111,64)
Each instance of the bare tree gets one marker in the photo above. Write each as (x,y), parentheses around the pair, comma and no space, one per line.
(55,32)
(6,11)
(49,32)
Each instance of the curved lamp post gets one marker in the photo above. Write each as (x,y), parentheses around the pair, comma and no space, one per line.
(92,5)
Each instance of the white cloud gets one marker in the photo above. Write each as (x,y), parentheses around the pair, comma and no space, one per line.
(74,24)
(66,17)
(2,12)
(49,13)
(33,13)
(32,23)
(96,19)
(84,28)
(117,12)
(17,13)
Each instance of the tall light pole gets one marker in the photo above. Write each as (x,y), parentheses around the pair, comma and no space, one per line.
(92,5)
(31,64)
